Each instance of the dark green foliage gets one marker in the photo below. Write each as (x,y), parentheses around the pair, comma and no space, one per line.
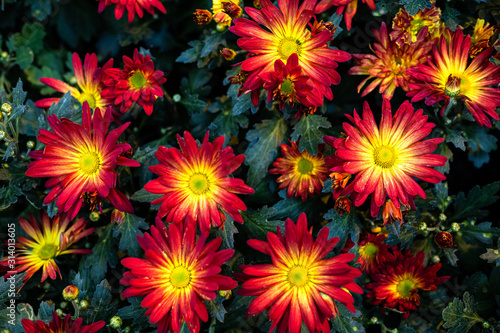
(343,226)
(460,315)
(128,230)
(477,198)
(309,130)
(413,6)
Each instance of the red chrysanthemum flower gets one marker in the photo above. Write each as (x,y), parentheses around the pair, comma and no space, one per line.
(89,80)
(132,7)
(302,174)
(52,241)
(448,76)
(350,7)
(405,27)
(385,159)
(58,325)
(299,285)
(288,84)
(80,161)
(372,253)
(194,181)
(177,275)
(481,37)
(287,33)
(137,82)
(396,283)
(388,66)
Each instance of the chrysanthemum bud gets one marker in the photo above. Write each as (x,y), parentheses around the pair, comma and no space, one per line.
(177,98)
(422,226)
(342,205)
(228,54)
(436,259)
(202,16)
(2,135)
(7,108)
(444,240)
(117,216)
(30,144)
(231,9)
(60,312)
(455,226)
(83,304)
(226,293)
(116,322)
(70,293)
(94,216)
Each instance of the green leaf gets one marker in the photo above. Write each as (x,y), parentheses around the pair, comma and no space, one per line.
(8,196)
(456,137)
(144,154)
(100,307)
(242,103)
(343,225)
(310,133)
(492,255)
(227,233)
(450,17)
(461,316)
(442,199)
(144,196)
(18,94)
(413,6)
(8,290)
(263,148)
(451,256)
(45,311)
(293,207)
(258,223)
(193,103)
(64,108)
(192,54)
(346,321)
(482,232)
(95,265)
(476,199)
(403,235)
(216,309)
(481,144)
(134,311)
(129,229)
(212,43)
(227,124)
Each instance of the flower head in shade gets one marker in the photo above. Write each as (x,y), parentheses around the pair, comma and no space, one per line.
(300,173)
(225,11)
(288,84)
(389,64)
(480,37)
(396,282)
(89,81)
(299,285)
(80,161)
(194,181)
(179,272)
(350,7)
(372,253)
(284,32)
(132,7)
(59,325)
(405,27)
(137,82)
(386,158)
(447,76)
(44,245)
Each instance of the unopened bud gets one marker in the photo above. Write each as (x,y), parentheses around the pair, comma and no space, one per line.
(117,216)
(202,16)
(94,216)
(83,304)
(30,144)
(116,322)
(70,293)
(225,293)
(2,135)
(7,108)
(228,54)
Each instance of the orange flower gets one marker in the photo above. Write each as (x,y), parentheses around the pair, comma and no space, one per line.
(299,285)
(132,7)
(202,16)
(301,173)
(386,158)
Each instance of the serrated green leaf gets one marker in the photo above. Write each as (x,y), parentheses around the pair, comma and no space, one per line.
(456,137)
(450,17)
(100,307)
(95,265)
(476,199)
(242,103)
(258,223)
(342,226)
(8,196)
(18,95)
(216,309)
(399,234)
(64,108)
(193,103)
(293,207)
(212,43)
(45,311)
(413,6)
(492,255)
(345,321)
(192,54)
(310,133)
(481,144)
(461,316)
(406,329)
(129,229)
(227,124)
(6,290)
(227,233)
(144,196)
(482,232)
(134,311)
(263,148)
(450,255)
(144,154)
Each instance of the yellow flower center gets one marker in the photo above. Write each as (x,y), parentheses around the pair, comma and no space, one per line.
(304,166)
(48,251)
(90,163)
(89,98)
(198,183)
(406,287)
(384,156)
(180,277)
(370,249)
(287,87)
(137,81)
(298,276)
(289,46)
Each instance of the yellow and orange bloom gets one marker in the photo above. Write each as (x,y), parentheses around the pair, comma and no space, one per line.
(300,173)
(80,161)
(391,213)
(194,182)
(342,205)
(405,27)
(89,80)
(388,66)
(202,16)
(44,245)
(386,158)
(179,272)
(137,82)
(372,252)
(299,285)
(350,7)
(132,7)
(480,37)
(396,283)
(58,325)
(447,76)
(287,83)
(286,32)
(225,11)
